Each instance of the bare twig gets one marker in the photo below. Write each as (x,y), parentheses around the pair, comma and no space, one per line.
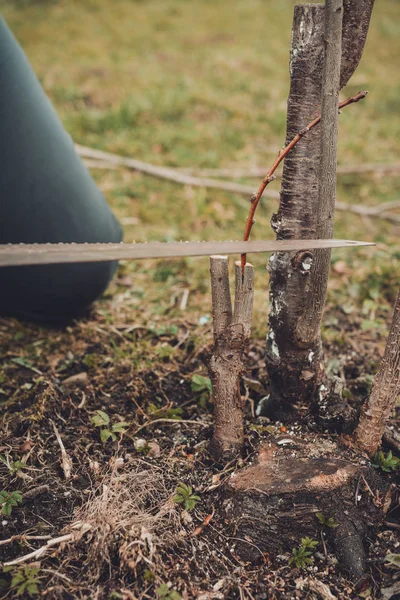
(62,539)
(22,538)
(255,199)
(244,190)
(165,172)
(179,421)
(66,462)
(256,172)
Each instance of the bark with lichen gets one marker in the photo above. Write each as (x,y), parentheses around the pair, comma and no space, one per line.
(298,281)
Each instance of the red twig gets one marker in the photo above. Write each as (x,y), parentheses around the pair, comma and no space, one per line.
(255,198)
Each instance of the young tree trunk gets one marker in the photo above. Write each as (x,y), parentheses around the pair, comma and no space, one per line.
(298,281)
(384,394)
(231,337)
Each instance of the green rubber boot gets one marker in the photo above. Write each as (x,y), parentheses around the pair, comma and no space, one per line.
(46,195)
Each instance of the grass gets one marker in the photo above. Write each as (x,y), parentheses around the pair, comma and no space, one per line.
(201,84)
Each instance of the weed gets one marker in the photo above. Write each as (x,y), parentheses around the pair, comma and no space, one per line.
(327,522)
(301,555)
(8,500)
(154,412)
(14,466)
(165,352)
(386,463)
(24,580)
(90,360)
(164,592)
(202,386)
(107,431)
(149,576)
(393,559)
(184,495)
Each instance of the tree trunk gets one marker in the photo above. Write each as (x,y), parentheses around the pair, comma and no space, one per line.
(384,394)
(231,337)
(298,281)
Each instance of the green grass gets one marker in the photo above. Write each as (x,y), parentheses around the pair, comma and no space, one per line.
(201,84)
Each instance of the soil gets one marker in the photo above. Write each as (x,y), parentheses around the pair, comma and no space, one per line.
(136,535)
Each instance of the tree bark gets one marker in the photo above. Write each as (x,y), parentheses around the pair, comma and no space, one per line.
(384,394)
(231,337)
(298,281)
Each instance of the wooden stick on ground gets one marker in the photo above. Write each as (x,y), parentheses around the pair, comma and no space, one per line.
(231,336)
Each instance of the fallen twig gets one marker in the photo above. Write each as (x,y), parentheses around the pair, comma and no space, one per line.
(81,528)
(66,462)
(255,198)
(243,173)
(165,172)
(22,538)
(113,161)
(183,421)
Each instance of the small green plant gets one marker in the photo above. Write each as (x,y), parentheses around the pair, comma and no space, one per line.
(386,463)
(202,386)
(327,522)
(164,592)
(165,352)
(301,556)
(393,559)
(14,466)
(149,576)
(154,412)
(184,495)
(107,430)
(8,500)
(90,360)
(24,580)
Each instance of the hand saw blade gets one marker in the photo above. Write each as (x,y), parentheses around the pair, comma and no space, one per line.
(12,255)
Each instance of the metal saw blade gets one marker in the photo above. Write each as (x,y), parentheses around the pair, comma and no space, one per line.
(12,255)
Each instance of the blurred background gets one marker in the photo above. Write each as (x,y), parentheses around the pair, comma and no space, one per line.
(199,86)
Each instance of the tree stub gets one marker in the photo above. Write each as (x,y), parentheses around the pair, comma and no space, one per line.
(274,503)
(231,336)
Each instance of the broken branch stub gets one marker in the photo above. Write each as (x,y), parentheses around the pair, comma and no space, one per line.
(384,394)
(231,336)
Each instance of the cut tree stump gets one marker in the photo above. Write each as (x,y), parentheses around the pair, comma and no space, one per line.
(231,337)
(273,503)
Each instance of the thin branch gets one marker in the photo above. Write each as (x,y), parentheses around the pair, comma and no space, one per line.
(22,538)
(245,190)
(66,462)
(243,173)
(179,421)
(165,172)
(255,199)
(69,537)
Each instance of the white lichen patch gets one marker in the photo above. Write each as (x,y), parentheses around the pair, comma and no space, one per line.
(273,346)
(311,356)
(306,264)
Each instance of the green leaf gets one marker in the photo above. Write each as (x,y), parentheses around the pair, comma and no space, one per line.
(393,559)
(101,419)
(200,384)
(119,427)
(105,434)
(162,590)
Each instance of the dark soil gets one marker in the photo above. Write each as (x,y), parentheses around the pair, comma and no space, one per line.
(143,376)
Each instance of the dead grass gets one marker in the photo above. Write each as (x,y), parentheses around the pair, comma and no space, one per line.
(132,520)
